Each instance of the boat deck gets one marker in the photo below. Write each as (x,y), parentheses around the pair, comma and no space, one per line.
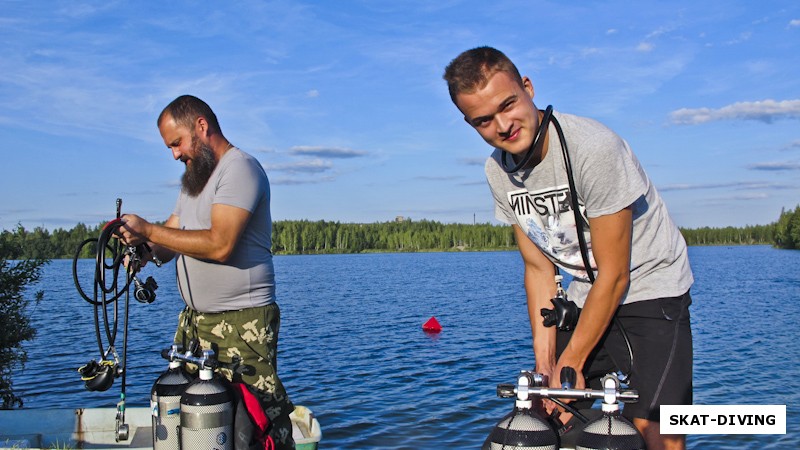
(94,428)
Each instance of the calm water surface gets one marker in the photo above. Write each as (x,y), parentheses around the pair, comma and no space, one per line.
(352,348)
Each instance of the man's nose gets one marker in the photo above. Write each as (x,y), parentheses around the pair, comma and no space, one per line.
(176,153)
(503,125)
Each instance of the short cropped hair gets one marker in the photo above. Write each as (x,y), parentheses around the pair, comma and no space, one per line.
(186,109)
(471,70)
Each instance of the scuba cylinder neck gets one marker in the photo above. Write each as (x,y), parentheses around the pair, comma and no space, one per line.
(523,399)
(206,374)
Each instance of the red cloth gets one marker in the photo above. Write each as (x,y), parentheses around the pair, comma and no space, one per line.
(257,415)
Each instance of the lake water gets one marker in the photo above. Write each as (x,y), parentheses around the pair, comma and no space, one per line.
(352,348)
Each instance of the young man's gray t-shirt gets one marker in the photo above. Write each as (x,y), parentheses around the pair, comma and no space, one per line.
(608,178)
(247,279)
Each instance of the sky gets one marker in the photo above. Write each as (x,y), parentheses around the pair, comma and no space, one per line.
(344,105)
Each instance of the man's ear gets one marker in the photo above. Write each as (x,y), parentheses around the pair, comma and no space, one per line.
(527,84)
(201,126)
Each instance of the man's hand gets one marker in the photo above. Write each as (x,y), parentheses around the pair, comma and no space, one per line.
(134,230)
(580,381)
(143,256)
(554,381)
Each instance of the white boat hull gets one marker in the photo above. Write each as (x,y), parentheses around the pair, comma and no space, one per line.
(94,428)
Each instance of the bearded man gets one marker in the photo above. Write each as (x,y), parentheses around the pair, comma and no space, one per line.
(220,233)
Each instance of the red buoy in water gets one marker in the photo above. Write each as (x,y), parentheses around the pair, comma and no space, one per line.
(432,326)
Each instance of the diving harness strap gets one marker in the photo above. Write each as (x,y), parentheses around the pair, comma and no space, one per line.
(536,147)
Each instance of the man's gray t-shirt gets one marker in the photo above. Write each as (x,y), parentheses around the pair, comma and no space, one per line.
(247,278)
(608,178)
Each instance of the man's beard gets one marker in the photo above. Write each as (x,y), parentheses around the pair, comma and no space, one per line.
(198,172)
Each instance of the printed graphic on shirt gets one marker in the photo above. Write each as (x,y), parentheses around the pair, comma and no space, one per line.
(547,219)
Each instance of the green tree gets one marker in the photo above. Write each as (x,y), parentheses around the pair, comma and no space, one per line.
(15,326)
(787,230)
(794,228)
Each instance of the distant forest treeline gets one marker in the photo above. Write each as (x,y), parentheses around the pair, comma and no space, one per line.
(307,237)
(785,233)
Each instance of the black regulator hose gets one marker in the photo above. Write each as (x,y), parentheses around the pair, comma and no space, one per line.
(104,291)
(99,289)
(98,376)
(536,145)
(103,247)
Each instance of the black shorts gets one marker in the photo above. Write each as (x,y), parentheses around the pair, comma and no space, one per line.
(661,339)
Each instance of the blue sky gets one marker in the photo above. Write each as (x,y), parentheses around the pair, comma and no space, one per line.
(344,105)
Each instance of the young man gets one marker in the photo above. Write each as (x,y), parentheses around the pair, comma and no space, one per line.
(221,234)
(639,265)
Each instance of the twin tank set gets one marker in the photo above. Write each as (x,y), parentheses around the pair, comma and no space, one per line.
(188,412)
(525,429)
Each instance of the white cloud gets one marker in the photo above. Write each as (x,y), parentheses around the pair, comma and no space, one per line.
(437,177)
(726,200)
(284,181)
(588,51)
(312,93)
(775,166)
(794,145)
(645,47)
(737,185)
(473,161)
(658,32)
(743,37)
(765,110)
(327,152)
(311,166)
(794,23)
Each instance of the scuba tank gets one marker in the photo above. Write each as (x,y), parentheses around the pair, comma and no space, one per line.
(207,409)
(165,403)
(522,428)
(610,431)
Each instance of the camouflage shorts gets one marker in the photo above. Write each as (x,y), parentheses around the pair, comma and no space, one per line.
(251,335)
